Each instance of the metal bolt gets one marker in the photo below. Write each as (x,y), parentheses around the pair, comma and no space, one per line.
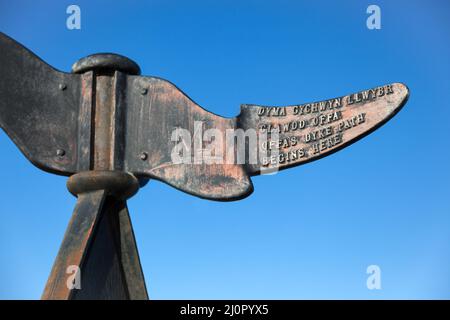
(62,86)
(144,91)
(143,156)
(60,152)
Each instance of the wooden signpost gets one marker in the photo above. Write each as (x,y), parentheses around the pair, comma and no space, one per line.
(111,130)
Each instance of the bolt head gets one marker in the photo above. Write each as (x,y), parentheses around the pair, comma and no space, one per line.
(62,86)
(144,91)
(60,152)
(143,156)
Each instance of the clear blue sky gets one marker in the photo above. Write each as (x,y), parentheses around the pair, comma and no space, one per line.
(308,232)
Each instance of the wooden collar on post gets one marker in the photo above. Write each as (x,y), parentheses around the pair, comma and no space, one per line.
(121,185)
